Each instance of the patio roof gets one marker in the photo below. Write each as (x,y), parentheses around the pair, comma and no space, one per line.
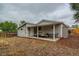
(43,22)
(47,22)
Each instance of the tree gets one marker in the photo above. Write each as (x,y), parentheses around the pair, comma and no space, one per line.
(75,26)
(8,26)
(75,6)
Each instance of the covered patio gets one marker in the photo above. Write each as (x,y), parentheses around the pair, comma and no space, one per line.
(50,32)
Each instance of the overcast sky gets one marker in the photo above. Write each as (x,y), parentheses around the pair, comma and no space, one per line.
(36,12)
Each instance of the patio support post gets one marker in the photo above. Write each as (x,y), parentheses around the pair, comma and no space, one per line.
(53,31)
(37,32)
(61,26)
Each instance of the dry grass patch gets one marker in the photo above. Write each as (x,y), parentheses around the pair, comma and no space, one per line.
(4,43)
(24,46)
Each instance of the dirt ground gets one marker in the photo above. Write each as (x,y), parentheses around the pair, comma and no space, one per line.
(17,46)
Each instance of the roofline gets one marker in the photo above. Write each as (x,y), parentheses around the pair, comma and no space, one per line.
(49,21)
(66,25)
(53,21)
(21,26)
(25,24)
(44,20)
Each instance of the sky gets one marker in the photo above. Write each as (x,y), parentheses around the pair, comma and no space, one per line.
(34,12)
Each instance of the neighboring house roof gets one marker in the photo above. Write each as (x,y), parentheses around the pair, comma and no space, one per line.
(42,22)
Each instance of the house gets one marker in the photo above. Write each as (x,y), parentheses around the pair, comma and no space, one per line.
(44,29)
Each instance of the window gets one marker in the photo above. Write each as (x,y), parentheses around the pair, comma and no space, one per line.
(39,28)
(21,29)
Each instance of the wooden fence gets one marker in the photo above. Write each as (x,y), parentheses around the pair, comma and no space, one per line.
(4,34)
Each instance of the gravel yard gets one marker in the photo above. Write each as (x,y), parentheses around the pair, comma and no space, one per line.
(17,46)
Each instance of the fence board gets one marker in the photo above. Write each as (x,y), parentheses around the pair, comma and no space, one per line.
(4,34)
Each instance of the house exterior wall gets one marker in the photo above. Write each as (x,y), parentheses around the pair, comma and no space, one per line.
(23,32)
(44,23)
(31,32)
(65,32)
(57,30)
(30,25)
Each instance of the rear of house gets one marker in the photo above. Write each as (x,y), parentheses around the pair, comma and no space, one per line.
(44,29)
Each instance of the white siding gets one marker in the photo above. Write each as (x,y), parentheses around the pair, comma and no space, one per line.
(65,32)
(44,23)
(27,33)
(30,25)
(23,32)
(57,30)
(31,32)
